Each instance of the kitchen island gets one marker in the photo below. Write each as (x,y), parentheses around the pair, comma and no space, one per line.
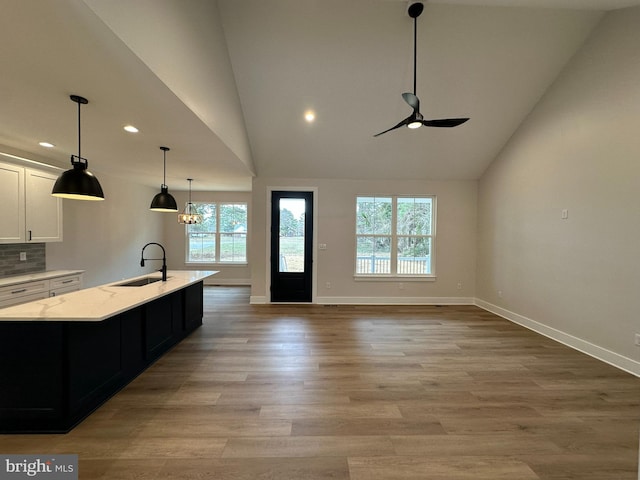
(62,357)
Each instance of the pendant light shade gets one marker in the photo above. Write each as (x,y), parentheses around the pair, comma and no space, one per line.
(189,217)
(164,201)
(78,183)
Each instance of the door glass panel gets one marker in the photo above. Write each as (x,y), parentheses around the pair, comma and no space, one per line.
(291,255)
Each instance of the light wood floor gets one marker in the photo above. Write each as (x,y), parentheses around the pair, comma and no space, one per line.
(360,393)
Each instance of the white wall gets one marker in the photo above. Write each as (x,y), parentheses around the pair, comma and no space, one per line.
(455,249)
(576,279)
(106,238)
(174,235)
(175,37)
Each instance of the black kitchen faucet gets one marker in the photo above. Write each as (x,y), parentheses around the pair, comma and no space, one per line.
(164,259)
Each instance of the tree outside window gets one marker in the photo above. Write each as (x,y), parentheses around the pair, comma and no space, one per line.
(222,235)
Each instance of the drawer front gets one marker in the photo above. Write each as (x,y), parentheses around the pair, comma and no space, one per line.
(24,299)
(23,289)
(65,282)
(59,291)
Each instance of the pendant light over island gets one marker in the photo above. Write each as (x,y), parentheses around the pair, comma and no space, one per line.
(78,183)
(189,216)
(164,201)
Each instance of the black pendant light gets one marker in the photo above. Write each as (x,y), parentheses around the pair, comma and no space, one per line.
(164,201)
(189,216)
(78,183)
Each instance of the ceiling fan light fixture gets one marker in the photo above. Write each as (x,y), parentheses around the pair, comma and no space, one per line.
(415,120)
(164,201)
(78,183)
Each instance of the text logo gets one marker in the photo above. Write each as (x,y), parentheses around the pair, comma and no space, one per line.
(49,467)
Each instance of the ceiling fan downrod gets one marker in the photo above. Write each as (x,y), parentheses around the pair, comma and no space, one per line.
(414,9)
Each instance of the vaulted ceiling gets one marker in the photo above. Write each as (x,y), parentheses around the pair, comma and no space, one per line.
(226,84)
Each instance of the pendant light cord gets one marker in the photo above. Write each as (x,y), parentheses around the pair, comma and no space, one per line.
(164,166)
(79,135)
(164,170)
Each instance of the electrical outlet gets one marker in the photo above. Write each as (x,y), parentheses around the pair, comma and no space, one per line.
(327,285)
(500,293)
(23,256)
(638,339)
(459,285)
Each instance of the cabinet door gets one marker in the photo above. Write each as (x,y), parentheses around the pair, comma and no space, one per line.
(12,226)
(43,211)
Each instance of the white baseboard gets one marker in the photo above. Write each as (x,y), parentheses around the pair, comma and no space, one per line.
(212,281)
(259,300)
(395,300)
(619,361)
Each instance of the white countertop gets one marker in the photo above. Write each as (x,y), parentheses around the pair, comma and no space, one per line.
(31,277)
(100,303)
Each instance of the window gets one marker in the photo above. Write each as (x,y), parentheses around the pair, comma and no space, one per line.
(222,235)
(395,235)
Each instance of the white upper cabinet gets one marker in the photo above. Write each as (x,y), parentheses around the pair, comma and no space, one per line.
(43,211)
(12,207)
(28,212)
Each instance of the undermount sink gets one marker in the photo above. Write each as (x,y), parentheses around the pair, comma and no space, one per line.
(139,282)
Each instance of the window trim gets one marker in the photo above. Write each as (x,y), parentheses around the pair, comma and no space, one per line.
(218,234)
(394,276)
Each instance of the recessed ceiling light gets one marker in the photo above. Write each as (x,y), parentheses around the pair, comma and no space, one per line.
(46,144)
(131,129)
(309,116)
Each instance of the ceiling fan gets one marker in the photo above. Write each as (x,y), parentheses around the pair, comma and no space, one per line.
(416,120)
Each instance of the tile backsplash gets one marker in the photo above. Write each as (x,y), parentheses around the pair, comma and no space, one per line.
(10,263)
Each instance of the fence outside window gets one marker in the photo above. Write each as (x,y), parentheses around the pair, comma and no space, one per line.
(372,264)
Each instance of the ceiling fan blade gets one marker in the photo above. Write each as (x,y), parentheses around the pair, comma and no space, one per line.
(412,100)
(401,124)
(444,122)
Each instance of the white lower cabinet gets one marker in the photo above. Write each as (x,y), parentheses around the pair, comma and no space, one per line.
(24,292)
(60,285)
(32,297)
